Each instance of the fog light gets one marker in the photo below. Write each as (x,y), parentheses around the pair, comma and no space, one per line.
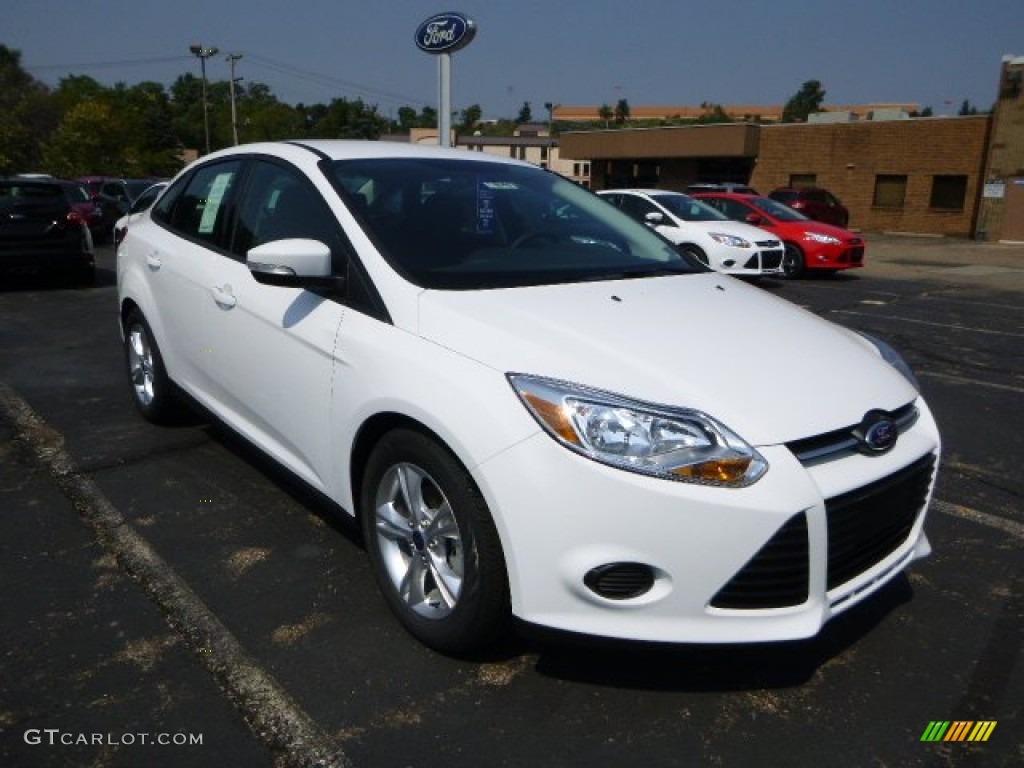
(620,581)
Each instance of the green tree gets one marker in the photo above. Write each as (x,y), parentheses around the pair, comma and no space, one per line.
(804,102)
(622,112)
(967,109)
(88,140)
(525,113)
(469,117)
(713,113)
(606,113)
(27,115)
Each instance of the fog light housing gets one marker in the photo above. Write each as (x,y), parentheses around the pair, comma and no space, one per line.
(620,581)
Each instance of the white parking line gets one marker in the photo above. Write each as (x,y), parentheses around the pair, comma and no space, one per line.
(972,382)
(927,322)
(284,728)
(1004,524)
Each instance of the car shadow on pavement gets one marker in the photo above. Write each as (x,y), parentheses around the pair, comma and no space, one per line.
(716,668)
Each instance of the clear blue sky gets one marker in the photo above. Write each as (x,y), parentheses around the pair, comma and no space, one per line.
(931,52)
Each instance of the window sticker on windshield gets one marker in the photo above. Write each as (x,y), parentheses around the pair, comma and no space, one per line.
(485,217)
(213,201)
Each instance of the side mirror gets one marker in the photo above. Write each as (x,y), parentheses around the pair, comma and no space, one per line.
(293,263)
(757,220)
(654,218)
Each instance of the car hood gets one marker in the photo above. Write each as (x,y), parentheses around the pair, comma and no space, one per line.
(819,227)
(737,228)
(766,368)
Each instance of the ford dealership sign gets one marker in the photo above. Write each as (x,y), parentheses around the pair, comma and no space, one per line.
(445,33)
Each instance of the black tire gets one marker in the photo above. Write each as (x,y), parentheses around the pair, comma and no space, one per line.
(792,262)
(696,252)
(152,391)
(440,568)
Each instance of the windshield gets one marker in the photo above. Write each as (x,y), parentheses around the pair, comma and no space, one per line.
(688,209)
(777,210)
(465,224)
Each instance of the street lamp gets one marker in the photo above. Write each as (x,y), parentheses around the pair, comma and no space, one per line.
(203,54)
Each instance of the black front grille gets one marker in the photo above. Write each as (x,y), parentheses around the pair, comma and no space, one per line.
(776,576)
(870,523)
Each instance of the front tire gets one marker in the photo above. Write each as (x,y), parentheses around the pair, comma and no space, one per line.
(792,261)
(432,544)
(695,252)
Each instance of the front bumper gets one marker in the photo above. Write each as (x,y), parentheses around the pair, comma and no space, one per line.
(561,516)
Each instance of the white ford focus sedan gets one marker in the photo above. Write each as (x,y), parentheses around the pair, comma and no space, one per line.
(703,232)
(535,406)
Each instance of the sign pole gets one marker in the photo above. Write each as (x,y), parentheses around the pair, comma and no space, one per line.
(441,36)
(444,100)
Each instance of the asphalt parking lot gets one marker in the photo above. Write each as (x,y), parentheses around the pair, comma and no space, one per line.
(168,584)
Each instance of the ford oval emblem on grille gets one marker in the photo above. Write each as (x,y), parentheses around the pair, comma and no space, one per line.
(877,433)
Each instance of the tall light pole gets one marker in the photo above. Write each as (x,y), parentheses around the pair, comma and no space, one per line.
(203,54)
(232,58)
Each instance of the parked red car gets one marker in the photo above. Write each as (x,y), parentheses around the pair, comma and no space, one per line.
(85,206)
(810,245)
(815,203)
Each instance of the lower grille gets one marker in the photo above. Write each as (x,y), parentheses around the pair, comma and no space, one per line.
(870,523)
(776,576)
(771,259)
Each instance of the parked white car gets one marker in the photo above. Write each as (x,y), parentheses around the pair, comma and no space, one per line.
(142,204)
(533,404)
(703,232)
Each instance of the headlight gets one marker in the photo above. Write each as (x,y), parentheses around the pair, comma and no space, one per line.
(735,242)
(673,443)
(893,358)
(819,238)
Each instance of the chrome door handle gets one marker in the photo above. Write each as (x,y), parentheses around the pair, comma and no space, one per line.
(153,261)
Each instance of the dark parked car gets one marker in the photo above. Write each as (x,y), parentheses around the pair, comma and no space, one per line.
(41,233)
(112,195)
(814,203)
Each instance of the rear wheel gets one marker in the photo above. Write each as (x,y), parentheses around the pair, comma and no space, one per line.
(152,391)
(432,543)
(792,261)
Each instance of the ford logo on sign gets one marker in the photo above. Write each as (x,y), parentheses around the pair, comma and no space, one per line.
(445,33)
(877,433)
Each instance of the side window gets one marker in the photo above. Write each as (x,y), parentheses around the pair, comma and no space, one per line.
(279,203)
(201,211)
(637,207)
(732,209)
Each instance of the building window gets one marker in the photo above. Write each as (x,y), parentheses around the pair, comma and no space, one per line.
(511,151)
(522,153)
(890,191)
(575,169)
(543,153)
(799,180)
(948,192)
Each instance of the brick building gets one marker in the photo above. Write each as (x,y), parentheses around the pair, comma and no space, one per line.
(957,176)
(914,175)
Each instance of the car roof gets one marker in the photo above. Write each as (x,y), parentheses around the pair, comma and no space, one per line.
(355,149)
(642,191)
